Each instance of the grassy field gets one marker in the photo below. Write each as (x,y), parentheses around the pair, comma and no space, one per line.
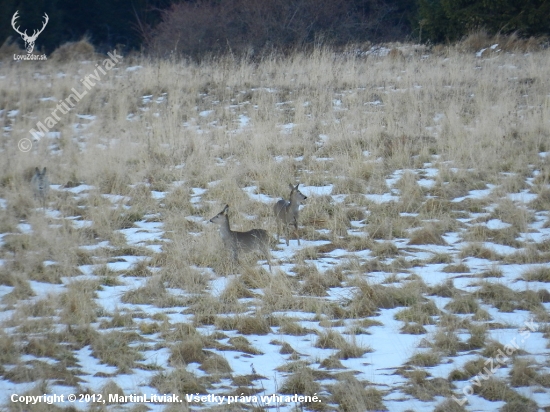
(421,281)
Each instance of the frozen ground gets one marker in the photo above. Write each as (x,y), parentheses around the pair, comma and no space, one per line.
(388,349)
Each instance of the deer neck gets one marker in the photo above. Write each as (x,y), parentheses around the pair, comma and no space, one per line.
(225,230)
(293,206)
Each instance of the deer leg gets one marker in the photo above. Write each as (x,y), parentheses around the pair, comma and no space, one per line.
(268,256)
(287,235)
(295,224)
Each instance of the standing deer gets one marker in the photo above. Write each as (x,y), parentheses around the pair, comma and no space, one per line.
(235,242)
(40,185)
(29,40)
(286,212)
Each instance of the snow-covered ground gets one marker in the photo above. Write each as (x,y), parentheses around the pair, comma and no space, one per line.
(266,367)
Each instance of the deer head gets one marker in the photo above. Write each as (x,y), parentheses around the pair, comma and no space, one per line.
(29,40)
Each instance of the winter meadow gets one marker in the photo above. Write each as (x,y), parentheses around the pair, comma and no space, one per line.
(420,280)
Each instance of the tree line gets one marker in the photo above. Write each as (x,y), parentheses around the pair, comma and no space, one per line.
(201,27)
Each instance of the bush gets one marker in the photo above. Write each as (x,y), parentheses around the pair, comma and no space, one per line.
(244,27)
(448,20)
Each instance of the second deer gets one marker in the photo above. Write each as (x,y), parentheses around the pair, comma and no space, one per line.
(286,212)
(235,242)
(40,185)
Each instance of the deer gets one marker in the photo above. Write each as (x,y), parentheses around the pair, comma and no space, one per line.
(29,40)
(235,242)
(40,185)
(286,212)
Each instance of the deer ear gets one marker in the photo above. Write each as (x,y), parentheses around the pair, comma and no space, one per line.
(297,186)
(44,171)
(291,187)
(37,170)
(225,209)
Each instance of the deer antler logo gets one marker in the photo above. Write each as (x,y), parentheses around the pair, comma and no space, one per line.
(29,40)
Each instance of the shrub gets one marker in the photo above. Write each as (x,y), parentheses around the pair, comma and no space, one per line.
(246,26)
(444,20)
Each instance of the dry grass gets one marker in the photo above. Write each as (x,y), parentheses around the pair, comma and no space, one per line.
(446,342)
(428,235)
(370,298)
(477,337)
(113,348)
(413,329)
(523,373)
(246,325)
(77,304)
(481,233)
(9,352)
(449,405)
(445,289)
(179,382)
(332,339)
(75,51)
(386,223)
(205,309)
(352,395)
(425,389)
(494,348)
(540,274)
(471,368)
(479,251)
(421,313)
(302,381)
(242,344)
(493,272)
(507,300)
(216,365)
(289,327)
(440,258)
(459,268)
(463,304)
(188,351)
(153,293)
(158,168)
(480,39)
(497,390)
(509,212)
(118,320)
(425,359)
(385,249)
